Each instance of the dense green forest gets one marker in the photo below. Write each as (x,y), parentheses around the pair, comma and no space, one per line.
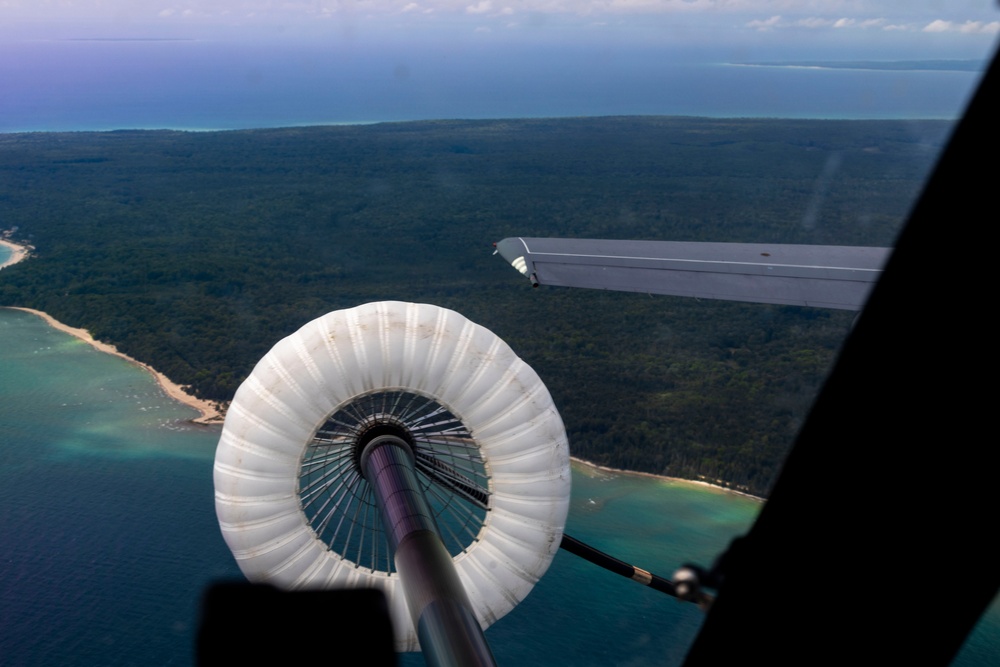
(195,252)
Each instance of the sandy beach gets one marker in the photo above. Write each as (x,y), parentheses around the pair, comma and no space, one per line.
(210,413)
(17,253)
(619,471)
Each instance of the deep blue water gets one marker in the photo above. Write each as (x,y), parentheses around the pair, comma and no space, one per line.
(107,515)
(109,530)
(106,511)
(83,85)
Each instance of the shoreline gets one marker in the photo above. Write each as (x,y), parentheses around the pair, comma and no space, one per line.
(210,413)
(621,471)
(18,253)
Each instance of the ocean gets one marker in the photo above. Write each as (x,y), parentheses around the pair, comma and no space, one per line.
(109,530)
(108,524)
(107,85)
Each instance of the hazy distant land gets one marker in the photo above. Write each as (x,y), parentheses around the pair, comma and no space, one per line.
(880,65)
(195,252)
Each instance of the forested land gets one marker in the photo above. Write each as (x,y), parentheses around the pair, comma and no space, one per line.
(195,252)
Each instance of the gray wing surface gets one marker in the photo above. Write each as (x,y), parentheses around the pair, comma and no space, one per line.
(799,275)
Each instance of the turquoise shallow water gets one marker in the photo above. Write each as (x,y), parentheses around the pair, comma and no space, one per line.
(106,512)
(110,534)
(109,531)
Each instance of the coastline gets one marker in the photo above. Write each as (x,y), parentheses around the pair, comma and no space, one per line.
(620,471)
(18,253)
(210,413)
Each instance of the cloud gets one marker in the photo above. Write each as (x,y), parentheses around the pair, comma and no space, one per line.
(809,23)
(779,22)
(969,27)
(978,27)
(749,15)
(871,23)
(864,24)
(481,7)
(639,6)
(651,6)
(815,22)
(993,27)
(174,12)
(765,24)
(938,26)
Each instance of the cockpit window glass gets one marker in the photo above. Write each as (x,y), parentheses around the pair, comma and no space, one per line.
(192,181)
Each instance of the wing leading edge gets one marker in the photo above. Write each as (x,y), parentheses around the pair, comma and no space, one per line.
(800,275)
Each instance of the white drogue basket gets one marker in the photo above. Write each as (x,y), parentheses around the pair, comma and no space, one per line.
(490,449)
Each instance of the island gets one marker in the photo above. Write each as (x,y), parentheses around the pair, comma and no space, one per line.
(194,252)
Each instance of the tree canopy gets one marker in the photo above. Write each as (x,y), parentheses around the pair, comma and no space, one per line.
(195,252)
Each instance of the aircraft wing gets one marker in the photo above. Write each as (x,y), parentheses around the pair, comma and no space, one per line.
(799,275)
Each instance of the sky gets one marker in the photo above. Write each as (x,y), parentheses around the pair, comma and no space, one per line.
(933,28)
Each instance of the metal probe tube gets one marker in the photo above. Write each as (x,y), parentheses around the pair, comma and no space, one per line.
(439,606)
